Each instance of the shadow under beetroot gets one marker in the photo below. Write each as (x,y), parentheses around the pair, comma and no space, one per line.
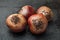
(13,34)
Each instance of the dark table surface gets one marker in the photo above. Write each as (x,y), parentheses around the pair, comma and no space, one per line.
(8,7)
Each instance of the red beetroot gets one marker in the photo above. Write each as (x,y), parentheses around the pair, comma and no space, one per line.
(37,23)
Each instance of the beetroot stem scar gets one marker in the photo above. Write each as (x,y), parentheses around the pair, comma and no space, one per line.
(15,19)
(38,23)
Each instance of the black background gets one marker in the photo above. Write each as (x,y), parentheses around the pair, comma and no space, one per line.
(8,7)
